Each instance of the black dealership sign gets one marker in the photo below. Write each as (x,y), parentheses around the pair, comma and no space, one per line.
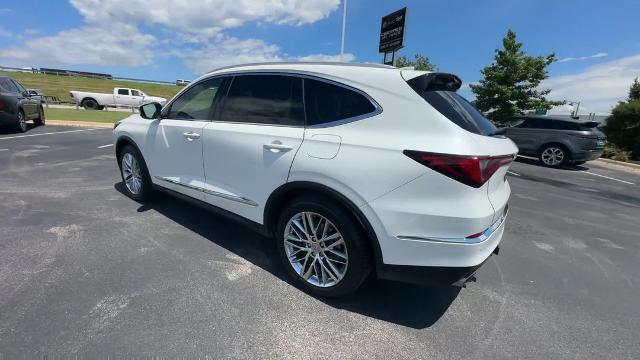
(392,31)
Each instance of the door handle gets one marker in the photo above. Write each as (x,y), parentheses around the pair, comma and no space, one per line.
(191,136)
(277,146)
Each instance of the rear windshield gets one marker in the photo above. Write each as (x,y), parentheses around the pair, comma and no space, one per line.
(438,89)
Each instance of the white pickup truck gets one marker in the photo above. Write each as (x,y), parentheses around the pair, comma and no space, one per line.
(120,97)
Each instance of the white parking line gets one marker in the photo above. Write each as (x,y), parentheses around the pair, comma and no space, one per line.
(607,177)
(51,133)
(512,173)
(104,146)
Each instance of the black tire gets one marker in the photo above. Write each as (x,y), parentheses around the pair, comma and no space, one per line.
(359,261)
(40,121)
(90,104)
(21,121)
(554,155)
(146,187)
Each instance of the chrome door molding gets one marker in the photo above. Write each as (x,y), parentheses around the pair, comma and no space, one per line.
(240,199)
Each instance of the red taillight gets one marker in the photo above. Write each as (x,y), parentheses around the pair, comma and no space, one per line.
(470,170)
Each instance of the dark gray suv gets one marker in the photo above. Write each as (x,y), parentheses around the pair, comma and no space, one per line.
(556,142)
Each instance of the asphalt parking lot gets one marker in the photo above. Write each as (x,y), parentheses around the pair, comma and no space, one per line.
(86,271)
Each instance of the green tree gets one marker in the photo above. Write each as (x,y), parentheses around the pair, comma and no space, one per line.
(634,90)
(623,127)
(421,62)
(510,83)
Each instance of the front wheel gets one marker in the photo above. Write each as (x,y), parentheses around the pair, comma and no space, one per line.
(554,155)
(322,248)
(135,175)
(21,122)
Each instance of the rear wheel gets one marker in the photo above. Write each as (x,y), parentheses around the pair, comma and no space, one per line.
(21,122)
(135,176)
(554,155)
(40,120)
(321,247)
(90,104)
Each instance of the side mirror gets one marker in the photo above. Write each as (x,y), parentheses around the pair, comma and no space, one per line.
(32,93)
(150,111)
(26,93)
(501,131)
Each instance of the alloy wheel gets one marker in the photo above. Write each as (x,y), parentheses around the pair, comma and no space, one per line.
(316,249)
(131,173)
(21,121)
(552,156)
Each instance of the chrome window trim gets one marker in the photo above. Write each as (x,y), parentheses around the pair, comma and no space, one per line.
(377,107)
(240,199)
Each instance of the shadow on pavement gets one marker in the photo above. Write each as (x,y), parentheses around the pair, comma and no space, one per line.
(9,129)
(402,304)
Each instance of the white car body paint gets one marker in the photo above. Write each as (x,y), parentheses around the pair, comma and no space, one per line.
(420,216)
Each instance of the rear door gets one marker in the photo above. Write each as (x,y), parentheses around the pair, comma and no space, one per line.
(123,97)
(174,142)
(252,141)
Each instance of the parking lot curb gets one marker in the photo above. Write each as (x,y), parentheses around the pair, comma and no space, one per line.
(80,123)
(619,163)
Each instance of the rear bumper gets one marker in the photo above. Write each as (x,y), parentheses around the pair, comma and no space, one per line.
(430,275)
(586,155)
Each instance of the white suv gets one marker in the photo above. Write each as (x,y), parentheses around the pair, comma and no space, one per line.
(351,168)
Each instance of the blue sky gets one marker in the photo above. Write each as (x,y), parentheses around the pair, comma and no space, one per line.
(597,41)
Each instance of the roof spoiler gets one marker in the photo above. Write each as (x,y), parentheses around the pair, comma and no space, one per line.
(435,82)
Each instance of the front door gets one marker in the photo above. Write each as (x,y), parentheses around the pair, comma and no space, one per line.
(251,144)
(176,140)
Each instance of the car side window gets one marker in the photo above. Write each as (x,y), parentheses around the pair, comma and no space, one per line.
(20,88)
(123,91)
(135,93)
(197,102)
(264,99)
(326,102)
(6,85)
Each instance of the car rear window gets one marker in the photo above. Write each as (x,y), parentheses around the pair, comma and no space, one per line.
(438,89)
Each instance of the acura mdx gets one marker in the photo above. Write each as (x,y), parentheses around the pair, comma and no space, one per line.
(352,169)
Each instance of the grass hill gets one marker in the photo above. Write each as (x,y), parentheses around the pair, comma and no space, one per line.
(54,85)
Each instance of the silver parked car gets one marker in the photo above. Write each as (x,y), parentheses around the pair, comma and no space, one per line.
(556,142)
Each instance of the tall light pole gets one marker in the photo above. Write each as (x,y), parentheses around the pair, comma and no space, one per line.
(344,24)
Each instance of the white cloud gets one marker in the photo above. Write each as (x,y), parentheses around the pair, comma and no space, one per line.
(594,56)
(226,51)
(86,45)
(193,31)
(205,16)
(348,57)
(598,88)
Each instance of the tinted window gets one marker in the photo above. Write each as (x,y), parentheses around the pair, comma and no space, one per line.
(6,85)
(197,102)
(326,102)
(20,88)
(135,93)
(460,111)
(123,91)
(264,99)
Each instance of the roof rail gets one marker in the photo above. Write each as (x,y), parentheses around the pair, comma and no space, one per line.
(382,66)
